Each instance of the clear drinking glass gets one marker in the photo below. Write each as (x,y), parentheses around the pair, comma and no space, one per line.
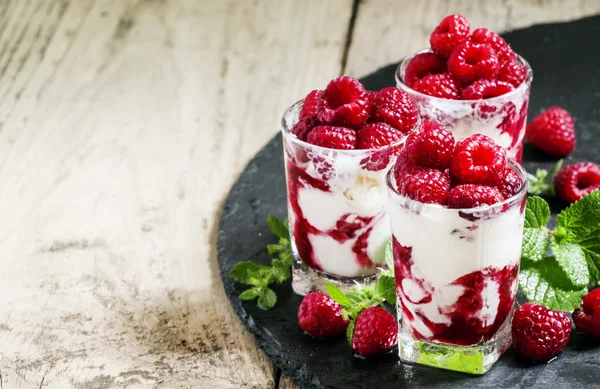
(502,118)
(337,209)
(456,278)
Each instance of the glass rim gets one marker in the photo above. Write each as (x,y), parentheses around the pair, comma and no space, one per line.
(517,167)
(399,76)
(286,130)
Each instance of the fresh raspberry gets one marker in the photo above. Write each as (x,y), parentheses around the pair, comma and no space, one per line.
(472,196)
(431,146)
(402,166)
(539,333)
(470,62)
(304,126)
(370,95)
(512,72)
(422,65)
(376,135)
(452,30)
(486,89)
(510,183)
(553,132)
(343,103)
(320,316)
(587,316)
(478,160)
(375,332)
(331,137)
(394,107)
(309,108)
(575,181)
(430,186)
(440,85)
(502,49)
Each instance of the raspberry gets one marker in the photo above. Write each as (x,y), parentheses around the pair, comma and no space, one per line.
(370,95)
(470,62)
(502,49)
(320,316)
(304,126)
(510,183)
(452,30)
(431,146)
(375,332)
(575,181)
(430,186)
(331,137)
(540,333)
(376,135)
(486,89)
(438,85)
(512,72)
(587,316)
(422,65)
(553,132)
(472,196)
(309,108)
(402,166)
(394,107)
(478,160)
(343,103)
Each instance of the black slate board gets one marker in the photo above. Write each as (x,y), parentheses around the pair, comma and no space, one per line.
(566,63)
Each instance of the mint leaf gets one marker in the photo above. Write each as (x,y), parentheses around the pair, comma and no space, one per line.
(337,295)
(247,272)
(280,270)
(249,294)
(535,243)
(537,212)
(267,298)
(386,286)
(571,259)
(542,183)
(286,256)
(350,331)
(278,227)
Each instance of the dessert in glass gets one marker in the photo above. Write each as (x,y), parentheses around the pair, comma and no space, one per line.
(457,214)
(338,145)
(474,83)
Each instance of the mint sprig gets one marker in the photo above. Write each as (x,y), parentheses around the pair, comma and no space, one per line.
(261,276)
(542,183)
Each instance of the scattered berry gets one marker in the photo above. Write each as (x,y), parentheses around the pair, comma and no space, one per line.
(587,316)
(321,317)
(575,181)
(431,146)
(553,132)
(422,65)
(340,138)
(510,183)
(502,49)
(375,332)
(440,85)
(470,62)
(478,160)
(376,135)
(309,108)
(343,103)
(486,89)
(512,72)
(430,186)
(394,107)
(304,126)
(472,196)
(452,30)
(540,333)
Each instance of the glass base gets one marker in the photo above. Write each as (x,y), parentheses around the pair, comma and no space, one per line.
(306,280)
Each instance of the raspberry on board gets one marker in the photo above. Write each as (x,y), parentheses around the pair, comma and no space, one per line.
(587,316)
(478,160)
(576,181)
(486,89)
(502,49)
(343,103)
(375,332)
(309,107)
(422,65)
(553,132)
(431,146)
(470,62)
(512,72)
(376,135)
(394,107)
(331,137)
(452,30)
(440,85)
(426,185)
(321,317)
(473,196)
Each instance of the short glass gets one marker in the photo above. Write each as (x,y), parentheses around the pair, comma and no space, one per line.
(337,209)
(502,118)
(456,279)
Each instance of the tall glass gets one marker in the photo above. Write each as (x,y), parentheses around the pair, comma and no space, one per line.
(456,278)
(502,118)
(337,209)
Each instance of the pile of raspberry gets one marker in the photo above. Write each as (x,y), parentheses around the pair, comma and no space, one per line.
(473,172)
(345,116)
(464,65)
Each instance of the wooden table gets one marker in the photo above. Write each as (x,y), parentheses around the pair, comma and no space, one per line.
(123,124)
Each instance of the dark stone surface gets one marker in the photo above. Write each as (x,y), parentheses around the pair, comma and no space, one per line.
(566,63)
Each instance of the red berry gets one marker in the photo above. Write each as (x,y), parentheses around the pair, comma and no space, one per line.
(553,132)
(431,146)
(478,160)
(394,107)
(376,135)
(472,196)
(502,49)
(510,183)
(512,72)
(375,332)
(309,108)
(370,95)
(430,186)
(343,103)
(486,89)
(320,316)
(438,85)
(470,62)
(587,316)
(452,30)
(304,126)
(331,137)
(422,65)
(575,181)
(540,333)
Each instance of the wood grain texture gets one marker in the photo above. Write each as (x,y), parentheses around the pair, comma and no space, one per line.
(123,126)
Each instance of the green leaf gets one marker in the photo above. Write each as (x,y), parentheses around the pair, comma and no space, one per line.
(267,298)
(337,295)
(350,331)
(387,288)
(249,294)
(535,243)
(274,248)
(286,257)
(278,227)
(247,272)
(542,183)
(537,212)
(280,270)
(571,259)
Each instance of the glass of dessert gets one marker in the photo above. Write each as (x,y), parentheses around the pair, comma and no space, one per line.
(473,83)
(457,214)
(338,145)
